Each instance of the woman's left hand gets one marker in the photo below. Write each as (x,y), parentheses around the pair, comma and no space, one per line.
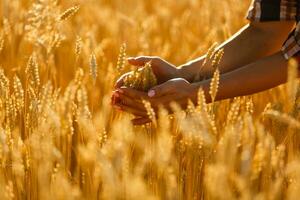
(176,90)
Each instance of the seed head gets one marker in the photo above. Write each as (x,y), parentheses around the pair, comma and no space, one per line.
(68,13)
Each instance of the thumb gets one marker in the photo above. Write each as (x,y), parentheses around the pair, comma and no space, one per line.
(139,61)
(160,90)
(119,83)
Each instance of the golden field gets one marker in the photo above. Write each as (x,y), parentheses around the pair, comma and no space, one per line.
(60,138)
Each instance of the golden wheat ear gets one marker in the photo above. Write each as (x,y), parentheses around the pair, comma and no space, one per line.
(150,111)
(32,71)
(141,79)
(207,61)
(214,84)
(121,59)
(68,13)
(93,67)
(19,93)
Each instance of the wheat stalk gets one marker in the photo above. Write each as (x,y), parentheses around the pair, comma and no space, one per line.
(78,46)
(53,147)
(19,93)
(214,85)
(209,55)
(93,67)
(150,111)
(217,59)
(283,117)
(4,84)
(68,13)
(121,58)
(32,71)
(141,79)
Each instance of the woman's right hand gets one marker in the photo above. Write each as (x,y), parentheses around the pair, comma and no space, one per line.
(163,70)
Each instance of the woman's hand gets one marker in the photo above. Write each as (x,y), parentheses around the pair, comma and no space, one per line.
(176,90)
(161,68)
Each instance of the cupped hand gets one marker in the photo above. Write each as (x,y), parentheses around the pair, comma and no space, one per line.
(161,68)
(176,90)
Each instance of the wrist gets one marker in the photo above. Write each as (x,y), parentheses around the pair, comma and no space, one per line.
(194,92)
(177,73)
(183,72)
(192,69)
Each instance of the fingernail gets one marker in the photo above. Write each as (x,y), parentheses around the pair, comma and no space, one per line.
(151,93)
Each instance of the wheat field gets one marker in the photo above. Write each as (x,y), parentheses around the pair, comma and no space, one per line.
(60,138)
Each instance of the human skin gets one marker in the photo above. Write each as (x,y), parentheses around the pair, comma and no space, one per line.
(260,65)
(254,41)
(180,91)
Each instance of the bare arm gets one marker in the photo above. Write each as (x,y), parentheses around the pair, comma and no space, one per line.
(252,42)
(261,75)
(252,78)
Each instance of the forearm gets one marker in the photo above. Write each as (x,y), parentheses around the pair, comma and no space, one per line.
(256,77)
(251,43)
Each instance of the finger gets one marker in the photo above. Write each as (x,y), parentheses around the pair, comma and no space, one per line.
(161,90)
(132,93)
(130,110)
(115,98)
(135,103)
(141,121)
(141,61)
(119,83)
